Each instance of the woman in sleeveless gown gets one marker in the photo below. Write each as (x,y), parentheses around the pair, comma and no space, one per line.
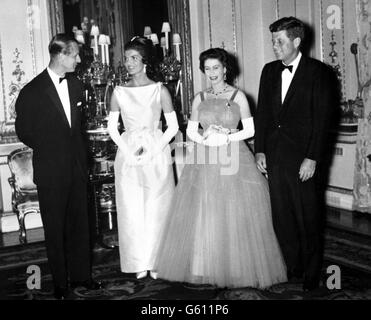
(144,180)
(220,229)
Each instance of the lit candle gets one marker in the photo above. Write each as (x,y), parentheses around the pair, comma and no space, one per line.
(166,29)
(102,42)
(177,42)
(163,45)
(95,33)
(92,44)
(108,43)
(154,38)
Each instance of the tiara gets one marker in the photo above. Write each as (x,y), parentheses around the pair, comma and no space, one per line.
(140,39)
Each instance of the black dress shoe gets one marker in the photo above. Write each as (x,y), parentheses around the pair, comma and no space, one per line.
(60,293)
(88,285)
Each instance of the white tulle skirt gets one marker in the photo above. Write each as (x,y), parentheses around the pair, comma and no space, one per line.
(219,229)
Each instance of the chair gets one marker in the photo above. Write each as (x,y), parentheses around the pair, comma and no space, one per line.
(24,191)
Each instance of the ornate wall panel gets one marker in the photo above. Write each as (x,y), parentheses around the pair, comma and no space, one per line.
(364,30)
(23,34)
(333,38)
(222,24)
(362,181)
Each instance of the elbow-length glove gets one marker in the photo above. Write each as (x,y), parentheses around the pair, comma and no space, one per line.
(192,132)
(219,138)
(170,132)
(113,118)
(247,132)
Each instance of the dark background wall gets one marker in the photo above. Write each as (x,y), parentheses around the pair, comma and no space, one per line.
(149,13)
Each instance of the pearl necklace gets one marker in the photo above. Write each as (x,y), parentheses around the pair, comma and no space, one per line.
(216,94)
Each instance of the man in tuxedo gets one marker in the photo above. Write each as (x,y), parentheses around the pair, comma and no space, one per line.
(49,121)
(296,98)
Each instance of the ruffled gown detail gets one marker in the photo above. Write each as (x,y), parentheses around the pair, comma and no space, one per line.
(143,193)
(219,230)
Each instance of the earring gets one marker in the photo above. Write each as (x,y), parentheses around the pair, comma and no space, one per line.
(145,68)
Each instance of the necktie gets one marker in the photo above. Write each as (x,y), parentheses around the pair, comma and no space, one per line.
(61,79)
(283,67)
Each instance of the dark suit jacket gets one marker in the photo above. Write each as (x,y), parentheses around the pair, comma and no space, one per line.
(42,125)
(297,129)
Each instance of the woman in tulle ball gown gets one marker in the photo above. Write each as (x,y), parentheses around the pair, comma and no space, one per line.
(219,230)
(144,180)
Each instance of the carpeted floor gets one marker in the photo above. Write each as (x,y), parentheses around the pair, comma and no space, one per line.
(348,251)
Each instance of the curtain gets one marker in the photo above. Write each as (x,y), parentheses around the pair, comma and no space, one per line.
(114,18)
(180,23)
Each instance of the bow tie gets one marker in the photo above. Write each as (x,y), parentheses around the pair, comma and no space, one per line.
(61,79)
(283,67)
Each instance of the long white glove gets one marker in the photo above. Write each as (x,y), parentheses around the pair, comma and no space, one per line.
(192,132)
(113,118)
(170,132)
(247,132)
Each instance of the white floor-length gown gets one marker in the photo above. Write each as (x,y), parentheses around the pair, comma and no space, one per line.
(143,193)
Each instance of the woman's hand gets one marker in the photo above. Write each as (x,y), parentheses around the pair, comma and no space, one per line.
(215,129)
(210,130)
(216,139)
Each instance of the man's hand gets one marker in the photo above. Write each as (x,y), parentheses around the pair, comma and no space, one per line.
(307,169)
(261,162)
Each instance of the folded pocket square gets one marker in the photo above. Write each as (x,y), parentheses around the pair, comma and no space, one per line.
(79,104)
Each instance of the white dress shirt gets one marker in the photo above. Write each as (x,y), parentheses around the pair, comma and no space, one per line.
(62,89)
(287,76)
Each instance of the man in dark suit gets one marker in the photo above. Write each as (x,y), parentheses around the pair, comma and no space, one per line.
(48,121)
(296,98)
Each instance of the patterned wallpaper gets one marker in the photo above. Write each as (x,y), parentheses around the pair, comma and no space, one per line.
(22,53)
(362,180)
(364,31)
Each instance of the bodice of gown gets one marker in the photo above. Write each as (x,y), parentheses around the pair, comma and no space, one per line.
(222,112)
(140,107)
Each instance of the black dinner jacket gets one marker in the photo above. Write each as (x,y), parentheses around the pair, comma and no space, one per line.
(42,125)
(296,129)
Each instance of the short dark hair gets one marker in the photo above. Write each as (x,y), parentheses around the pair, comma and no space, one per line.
(146,49)
(61,43)
(144,46)
(295,28)
(224,58)
(214,53)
